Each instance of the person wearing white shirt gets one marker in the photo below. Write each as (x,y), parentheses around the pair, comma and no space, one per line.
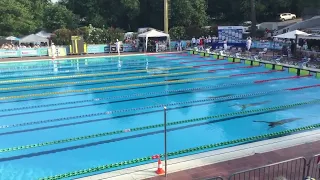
(198,41)
(157,46)
(53,51)
(193,40)
(118,47)
(225,45)
(249,42)
(179,45)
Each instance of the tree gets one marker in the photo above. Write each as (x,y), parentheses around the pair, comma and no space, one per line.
(188,12)
(57,16)
(17,17)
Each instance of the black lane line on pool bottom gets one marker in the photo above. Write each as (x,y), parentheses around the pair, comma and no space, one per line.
(86,78)
(118,101)
(115,90)
(168,65)
(108,119)
(124,89)
(125,138)
(106,82)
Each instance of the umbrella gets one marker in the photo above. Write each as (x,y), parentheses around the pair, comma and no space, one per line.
(12,38)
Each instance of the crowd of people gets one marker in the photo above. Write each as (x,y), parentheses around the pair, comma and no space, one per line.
(203,41)
(16,46)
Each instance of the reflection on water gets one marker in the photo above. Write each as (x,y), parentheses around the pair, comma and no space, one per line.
(55,66)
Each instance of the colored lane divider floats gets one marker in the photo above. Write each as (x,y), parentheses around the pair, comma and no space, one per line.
(91,75)
(49,67)
(182,152)
(130,86)
(104,80)
(213,100)
(122,78)
(282,107)
(154,93)
(103,74)
(143,108)
(186,62)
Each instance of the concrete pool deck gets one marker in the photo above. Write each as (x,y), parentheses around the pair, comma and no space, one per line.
(223,162)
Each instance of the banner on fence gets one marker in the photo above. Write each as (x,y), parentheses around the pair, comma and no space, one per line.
(43,51)
(100,48)
(8,53)
(29,52)
(268,45)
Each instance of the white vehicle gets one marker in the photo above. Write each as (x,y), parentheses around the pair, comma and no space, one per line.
(287,16)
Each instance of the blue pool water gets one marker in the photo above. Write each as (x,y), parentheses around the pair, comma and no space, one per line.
(42,102)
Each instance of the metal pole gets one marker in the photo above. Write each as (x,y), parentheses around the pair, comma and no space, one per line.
(166,24)
(165,140)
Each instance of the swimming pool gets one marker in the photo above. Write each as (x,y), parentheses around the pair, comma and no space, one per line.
(77,114)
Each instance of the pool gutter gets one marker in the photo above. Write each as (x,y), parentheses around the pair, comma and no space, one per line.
(210,157)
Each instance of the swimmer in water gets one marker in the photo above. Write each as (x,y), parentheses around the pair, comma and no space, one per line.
(172,80)
(278,123)
(226,95)
(245,106)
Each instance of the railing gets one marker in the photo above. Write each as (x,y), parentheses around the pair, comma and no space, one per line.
(313,168)
(293,169)
(214,178)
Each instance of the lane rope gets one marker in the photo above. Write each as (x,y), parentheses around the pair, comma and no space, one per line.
(124,86)
(102,80)
(34,67)
(218,99)
(92,75)
(182,152)
(141,94)
(121,78)
(102,74)
(83,69)
(282,107)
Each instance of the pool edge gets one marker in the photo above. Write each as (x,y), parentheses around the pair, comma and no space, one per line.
(210,157)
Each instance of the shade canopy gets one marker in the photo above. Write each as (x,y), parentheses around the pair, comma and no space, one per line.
(153,33)
(291,35)
(44,34)
(12,38)
(314,37)
(32,38)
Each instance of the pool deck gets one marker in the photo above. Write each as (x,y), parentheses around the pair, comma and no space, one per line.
(224,162)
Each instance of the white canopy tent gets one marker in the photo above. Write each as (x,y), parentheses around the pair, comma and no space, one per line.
(12,38)
(44,34)
(154,33)
(314,37)
(32,38)
(291,35)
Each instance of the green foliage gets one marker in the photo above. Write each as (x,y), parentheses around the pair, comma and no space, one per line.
(91,35)
(17,17)
(22,17)
(178,32)
(188,12)
(57,16)
(62,36)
